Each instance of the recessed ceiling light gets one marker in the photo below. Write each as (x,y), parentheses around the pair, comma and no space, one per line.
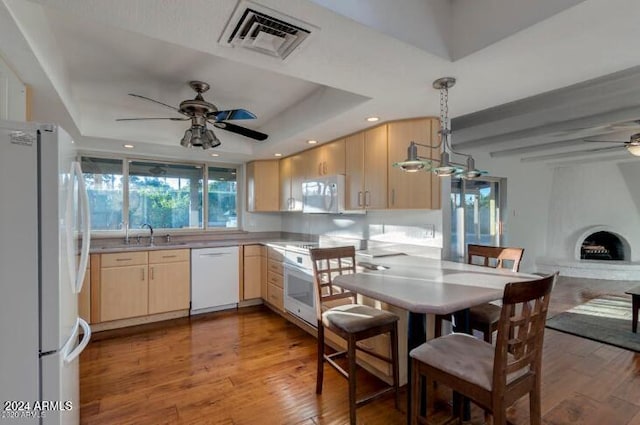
(277,154)
(312,142)
(215,154)
(373,119)
(128,146)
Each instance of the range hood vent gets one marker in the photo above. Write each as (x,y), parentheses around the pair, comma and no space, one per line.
(263,30)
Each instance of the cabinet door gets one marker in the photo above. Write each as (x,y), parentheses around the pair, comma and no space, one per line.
(84,298)
(409,190)
(252,272)
(169,287)
(354,167)
(298,170)
(286,170)
(333,158)
(123,292)
(263,179)
(375,167)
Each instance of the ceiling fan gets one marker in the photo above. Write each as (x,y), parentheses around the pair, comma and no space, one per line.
(201,112)
(632,145)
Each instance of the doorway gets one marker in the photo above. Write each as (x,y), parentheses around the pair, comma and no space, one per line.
(477,208)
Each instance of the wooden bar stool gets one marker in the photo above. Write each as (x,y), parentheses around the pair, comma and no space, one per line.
(492,377)
(484,317)
(338,311)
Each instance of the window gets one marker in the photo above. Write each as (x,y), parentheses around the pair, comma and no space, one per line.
(104,180)
(167,196)
(222,196)
(164,195)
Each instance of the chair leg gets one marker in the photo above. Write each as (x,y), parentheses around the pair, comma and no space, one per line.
(320,372)
(438,330)
(535,410)
(394,364)
(351,353)
(488,335)
(499,414)
(416,394)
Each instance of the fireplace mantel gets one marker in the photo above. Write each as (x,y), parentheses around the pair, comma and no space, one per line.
(593,269)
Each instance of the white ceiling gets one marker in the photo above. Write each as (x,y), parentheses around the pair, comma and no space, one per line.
(364,57)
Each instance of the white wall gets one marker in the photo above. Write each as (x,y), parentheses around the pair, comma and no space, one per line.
(528,193)
(13,95)
(549,206)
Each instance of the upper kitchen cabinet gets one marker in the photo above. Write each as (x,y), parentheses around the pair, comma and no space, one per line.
(366,164)
(326,160)
(413,190)
(292,174)
(263,179)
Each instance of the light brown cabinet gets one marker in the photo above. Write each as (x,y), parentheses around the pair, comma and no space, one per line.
(326,160)
(412,190)
(124,286)
(275,279)
(366,165)
(169,280)
(139,283)
(292,174)
(252,272)
(263,180)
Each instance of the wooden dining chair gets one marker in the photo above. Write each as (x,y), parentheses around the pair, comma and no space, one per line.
(484,317)
(492,377)
(338,311)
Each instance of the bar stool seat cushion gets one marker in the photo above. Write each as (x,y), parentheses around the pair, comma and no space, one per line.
(352,318)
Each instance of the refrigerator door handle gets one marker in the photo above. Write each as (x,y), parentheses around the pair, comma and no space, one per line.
(77,275)
(86,229)
(69,354)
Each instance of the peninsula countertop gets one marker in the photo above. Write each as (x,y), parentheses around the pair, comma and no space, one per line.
(425,285)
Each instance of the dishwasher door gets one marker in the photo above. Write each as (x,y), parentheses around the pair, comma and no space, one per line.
(214,279)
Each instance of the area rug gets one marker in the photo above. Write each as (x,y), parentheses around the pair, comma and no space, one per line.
(605,319)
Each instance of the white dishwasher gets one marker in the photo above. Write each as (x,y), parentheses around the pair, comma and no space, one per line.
(214,279)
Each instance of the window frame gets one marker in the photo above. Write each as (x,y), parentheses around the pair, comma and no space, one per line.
(204,165)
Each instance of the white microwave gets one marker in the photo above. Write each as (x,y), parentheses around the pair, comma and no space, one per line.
(324,195)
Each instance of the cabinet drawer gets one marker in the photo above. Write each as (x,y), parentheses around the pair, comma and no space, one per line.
(120,259)
(252,250)
(275,279)
(275,266)
(276,255)
(168,256)
(275,296)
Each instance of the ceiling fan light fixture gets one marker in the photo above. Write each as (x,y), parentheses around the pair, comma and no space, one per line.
(186,139)
(634,148)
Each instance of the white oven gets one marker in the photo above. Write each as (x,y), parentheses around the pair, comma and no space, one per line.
(299,296)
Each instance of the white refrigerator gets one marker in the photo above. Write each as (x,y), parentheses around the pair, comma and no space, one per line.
(44,233)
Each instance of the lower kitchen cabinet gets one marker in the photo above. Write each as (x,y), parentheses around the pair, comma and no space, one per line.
(123,292)
(275,279)
(252,272)
(84,297)
(139,283)
(169,280)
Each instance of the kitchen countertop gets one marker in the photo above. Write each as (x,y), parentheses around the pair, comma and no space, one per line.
(110,247)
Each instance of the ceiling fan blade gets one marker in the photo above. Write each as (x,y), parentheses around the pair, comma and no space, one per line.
(232,114)
(157,101)
(603,141)
(243,131)
(142,119)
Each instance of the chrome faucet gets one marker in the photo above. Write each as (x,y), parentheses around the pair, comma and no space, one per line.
(150,232)
(125,227)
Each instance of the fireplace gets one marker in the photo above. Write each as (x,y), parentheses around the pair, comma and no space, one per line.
(603,245)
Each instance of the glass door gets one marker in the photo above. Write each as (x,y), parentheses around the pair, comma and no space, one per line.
(476,213)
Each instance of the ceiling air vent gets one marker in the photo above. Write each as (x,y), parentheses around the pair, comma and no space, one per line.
(264,30)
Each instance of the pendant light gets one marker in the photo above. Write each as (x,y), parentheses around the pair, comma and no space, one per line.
(443,167)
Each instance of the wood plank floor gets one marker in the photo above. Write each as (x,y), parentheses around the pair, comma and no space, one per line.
(254,367)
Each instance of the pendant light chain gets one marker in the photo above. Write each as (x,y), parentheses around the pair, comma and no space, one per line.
(444,116)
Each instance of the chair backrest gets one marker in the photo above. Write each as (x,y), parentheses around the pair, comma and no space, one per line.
(521,329)
(327,264)
(495,256)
